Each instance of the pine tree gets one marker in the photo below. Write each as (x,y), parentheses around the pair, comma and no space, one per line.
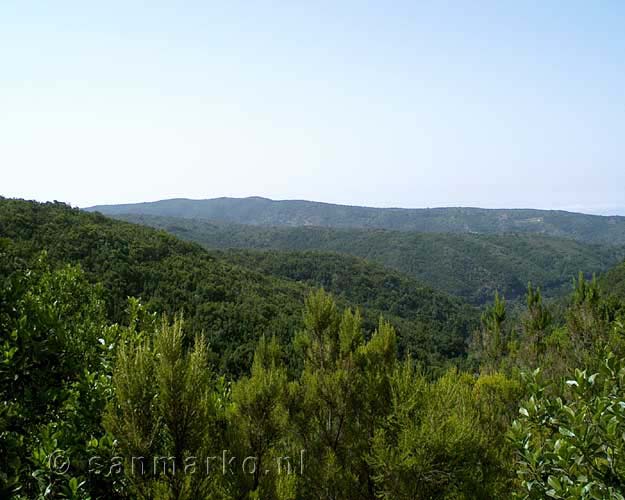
(536,324)
(489,343)
(165,414)
(258,419)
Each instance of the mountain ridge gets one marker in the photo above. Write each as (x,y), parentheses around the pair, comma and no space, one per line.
(259,211)
(346,205)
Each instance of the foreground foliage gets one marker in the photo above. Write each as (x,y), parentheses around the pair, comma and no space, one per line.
(574,447)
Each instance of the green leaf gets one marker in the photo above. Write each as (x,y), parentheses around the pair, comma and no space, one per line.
(554,483)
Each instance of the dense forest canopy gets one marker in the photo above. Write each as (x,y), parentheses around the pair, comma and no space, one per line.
(614,280)
(228,298)
(265,212)
(129,360)
(470,266)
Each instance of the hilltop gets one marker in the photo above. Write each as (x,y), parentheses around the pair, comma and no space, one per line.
(294,213)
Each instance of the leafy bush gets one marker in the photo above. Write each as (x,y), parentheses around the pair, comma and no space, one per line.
(573,446)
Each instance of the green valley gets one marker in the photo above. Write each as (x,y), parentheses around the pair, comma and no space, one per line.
(470,266)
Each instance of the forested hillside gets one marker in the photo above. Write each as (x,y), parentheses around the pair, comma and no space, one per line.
(233,303)
(103,398)
(265,212)
(376,290)
(614,281)
(466,265)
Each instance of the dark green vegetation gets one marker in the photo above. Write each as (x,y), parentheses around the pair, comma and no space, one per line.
(232,303)
(466,265)
(614,281)
(90,378)
(377,291)
(265,212)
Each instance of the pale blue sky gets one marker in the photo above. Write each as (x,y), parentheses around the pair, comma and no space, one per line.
(405,103)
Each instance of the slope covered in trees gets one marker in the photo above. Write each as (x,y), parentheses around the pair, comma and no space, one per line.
(91,409)
(466,265)
(233,304)
(265,212)
(613,281)
(377,290)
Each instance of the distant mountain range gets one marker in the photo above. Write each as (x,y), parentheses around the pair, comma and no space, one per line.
(471,266)
(294,213)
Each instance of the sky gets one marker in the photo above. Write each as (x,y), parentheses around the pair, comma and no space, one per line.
(400,103)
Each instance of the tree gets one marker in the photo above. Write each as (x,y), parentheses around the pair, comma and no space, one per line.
(489,343)
(343,397)
(441,439)
(165,414)
(259,423)
(536,323)
(573,447)
(53,357)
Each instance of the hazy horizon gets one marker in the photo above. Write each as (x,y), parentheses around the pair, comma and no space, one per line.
(493,105)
